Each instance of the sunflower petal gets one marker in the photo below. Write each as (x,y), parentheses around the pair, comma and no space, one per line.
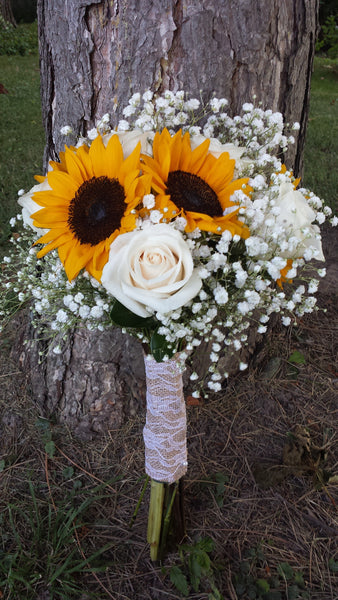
(62,183)
(114,154)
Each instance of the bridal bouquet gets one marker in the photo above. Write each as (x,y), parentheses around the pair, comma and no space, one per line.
(180,226)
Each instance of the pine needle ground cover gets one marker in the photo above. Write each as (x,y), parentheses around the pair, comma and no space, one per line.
(261,491)
(260,494)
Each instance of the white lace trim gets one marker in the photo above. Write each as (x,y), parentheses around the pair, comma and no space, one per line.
(165,431)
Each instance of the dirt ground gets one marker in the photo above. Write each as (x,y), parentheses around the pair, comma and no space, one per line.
(261,483)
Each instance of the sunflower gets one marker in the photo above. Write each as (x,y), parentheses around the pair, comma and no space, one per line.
(283,274)
(295,182)
(93,198)
(194,184)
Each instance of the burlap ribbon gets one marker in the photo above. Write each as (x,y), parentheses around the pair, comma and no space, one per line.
(165,431)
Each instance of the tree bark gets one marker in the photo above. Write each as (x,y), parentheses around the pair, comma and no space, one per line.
(6,12)
(94,56)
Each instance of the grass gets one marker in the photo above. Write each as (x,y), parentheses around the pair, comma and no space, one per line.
(50,552)
(21,132)
(321,148)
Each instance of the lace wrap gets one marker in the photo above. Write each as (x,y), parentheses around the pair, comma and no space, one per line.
(165,430)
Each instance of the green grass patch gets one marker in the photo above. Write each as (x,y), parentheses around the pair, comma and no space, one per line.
(44,544)
(321,148)
(21,132)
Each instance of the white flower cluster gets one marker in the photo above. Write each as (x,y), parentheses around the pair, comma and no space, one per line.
(57,305)
(259,131)
(241,282)
(148,113)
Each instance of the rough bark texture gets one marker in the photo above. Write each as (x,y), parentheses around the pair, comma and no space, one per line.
(94,385)
(94,55)
(6,12)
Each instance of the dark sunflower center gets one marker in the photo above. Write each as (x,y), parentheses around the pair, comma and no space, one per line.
(190,192)
(96,210)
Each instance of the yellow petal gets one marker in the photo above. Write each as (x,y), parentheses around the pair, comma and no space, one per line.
(114,153)
(62,183)
(131,164)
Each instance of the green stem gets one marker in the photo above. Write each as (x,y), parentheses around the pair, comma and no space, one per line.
(132,520)
(157,490)
(167,517)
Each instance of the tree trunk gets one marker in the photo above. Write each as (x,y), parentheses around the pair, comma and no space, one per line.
(94,56)
(6,12)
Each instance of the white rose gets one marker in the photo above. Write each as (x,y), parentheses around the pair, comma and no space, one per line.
(151,270)
(296,216)
(130,139)
(29,206)
(216,148)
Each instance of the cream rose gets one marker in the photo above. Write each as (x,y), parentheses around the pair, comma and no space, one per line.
(130,139)
(216,148)
(296,216)
(151,270)
(29,206)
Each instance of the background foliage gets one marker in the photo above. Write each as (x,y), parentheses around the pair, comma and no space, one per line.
(21,40)
(24,11)
(327,42)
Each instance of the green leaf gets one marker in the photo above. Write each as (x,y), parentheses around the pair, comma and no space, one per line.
(299,579)
(68,472)
(297,358)
(262,585)
(245,567)
(293,592)
(43,426)
(195,578)
(121,315)
(333,565)
(251,591)
(216,594)
(2,465)
(285,570)
(240,588)
(203,561)
(206,544)
(179,580)
(50,448)
(159,347)
(195,571)
(222,480)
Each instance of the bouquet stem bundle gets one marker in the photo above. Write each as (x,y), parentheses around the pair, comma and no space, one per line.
(166,516)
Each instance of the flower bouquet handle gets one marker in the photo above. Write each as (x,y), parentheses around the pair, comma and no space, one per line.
(165,446)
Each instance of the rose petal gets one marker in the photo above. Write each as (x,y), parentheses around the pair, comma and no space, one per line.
(151,270)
